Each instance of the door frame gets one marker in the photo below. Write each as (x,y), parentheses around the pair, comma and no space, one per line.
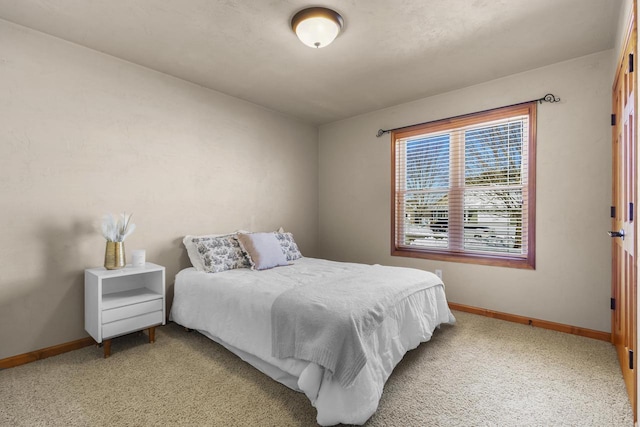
(630,37)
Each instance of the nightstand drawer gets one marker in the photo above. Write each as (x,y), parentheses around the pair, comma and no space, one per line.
(131,324)
(131,310)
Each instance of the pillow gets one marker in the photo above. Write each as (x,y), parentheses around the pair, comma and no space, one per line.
(192,250)
(288,245)
(220,253)
(263,249)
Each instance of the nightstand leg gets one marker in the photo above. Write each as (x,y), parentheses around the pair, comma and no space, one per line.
(152,334)
(107,348)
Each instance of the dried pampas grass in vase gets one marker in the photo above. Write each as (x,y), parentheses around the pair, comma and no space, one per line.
(115,230)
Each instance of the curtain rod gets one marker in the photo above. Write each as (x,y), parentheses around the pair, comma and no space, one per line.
(551,98)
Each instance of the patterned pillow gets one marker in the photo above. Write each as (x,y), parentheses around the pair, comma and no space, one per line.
(189,242)
(288,246)
(220,253)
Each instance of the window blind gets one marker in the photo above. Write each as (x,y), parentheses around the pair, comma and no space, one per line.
(462,185)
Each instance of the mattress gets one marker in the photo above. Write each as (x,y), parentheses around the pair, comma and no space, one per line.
(233,308)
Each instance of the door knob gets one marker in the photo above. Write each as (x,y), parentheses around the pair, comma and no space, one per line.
(617,233)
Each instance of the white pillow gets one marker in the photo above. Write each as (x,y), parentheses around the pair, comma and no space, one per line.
(263,249)
(192,249)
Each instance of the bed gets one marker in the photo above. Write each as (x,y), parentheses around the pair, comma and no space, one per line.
(391,310)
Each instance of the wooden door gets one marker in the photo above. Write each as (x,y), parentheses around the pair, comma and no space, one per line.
(623,219)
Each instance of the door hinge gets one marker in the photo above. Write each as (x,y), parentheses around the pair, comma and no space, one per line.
(613,303)
(630,211)
(613,120)
(630,359)
(631,63)
(613,211)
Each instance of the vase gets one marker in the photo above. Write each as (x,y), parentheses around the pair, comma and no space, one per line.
(114,256)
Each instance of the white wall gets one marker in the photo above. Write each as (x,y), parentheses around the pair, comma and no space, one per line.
(83,134)
(571,283)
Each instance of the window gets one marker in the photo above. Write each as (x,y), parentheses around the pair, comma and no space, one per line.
(464,188)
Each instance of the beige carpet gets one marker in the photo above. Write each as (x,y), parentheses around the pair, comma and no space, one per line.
(480,372)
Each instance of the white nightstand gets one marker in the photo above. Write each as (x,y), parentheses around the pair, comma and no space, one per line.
(117,302)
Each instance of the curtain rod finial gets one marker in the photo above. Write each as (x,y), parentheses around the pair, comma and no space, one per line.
(381,132)
(551,98)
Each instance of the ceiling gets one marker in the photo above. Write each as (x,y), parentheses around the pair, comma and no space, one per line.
(390,51)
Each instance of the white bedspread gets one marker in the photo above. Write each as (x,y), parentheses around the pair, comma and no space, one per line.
(234,308)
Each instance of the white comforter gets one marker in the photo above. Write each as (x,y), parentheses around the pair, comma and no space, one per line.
(234,308)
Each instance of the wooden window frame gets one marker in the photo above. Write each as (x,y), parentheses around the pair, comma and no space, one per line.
(524,262)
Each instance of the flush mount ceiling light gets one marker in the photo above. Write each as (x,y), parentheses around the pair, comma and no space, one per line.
(317,26)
